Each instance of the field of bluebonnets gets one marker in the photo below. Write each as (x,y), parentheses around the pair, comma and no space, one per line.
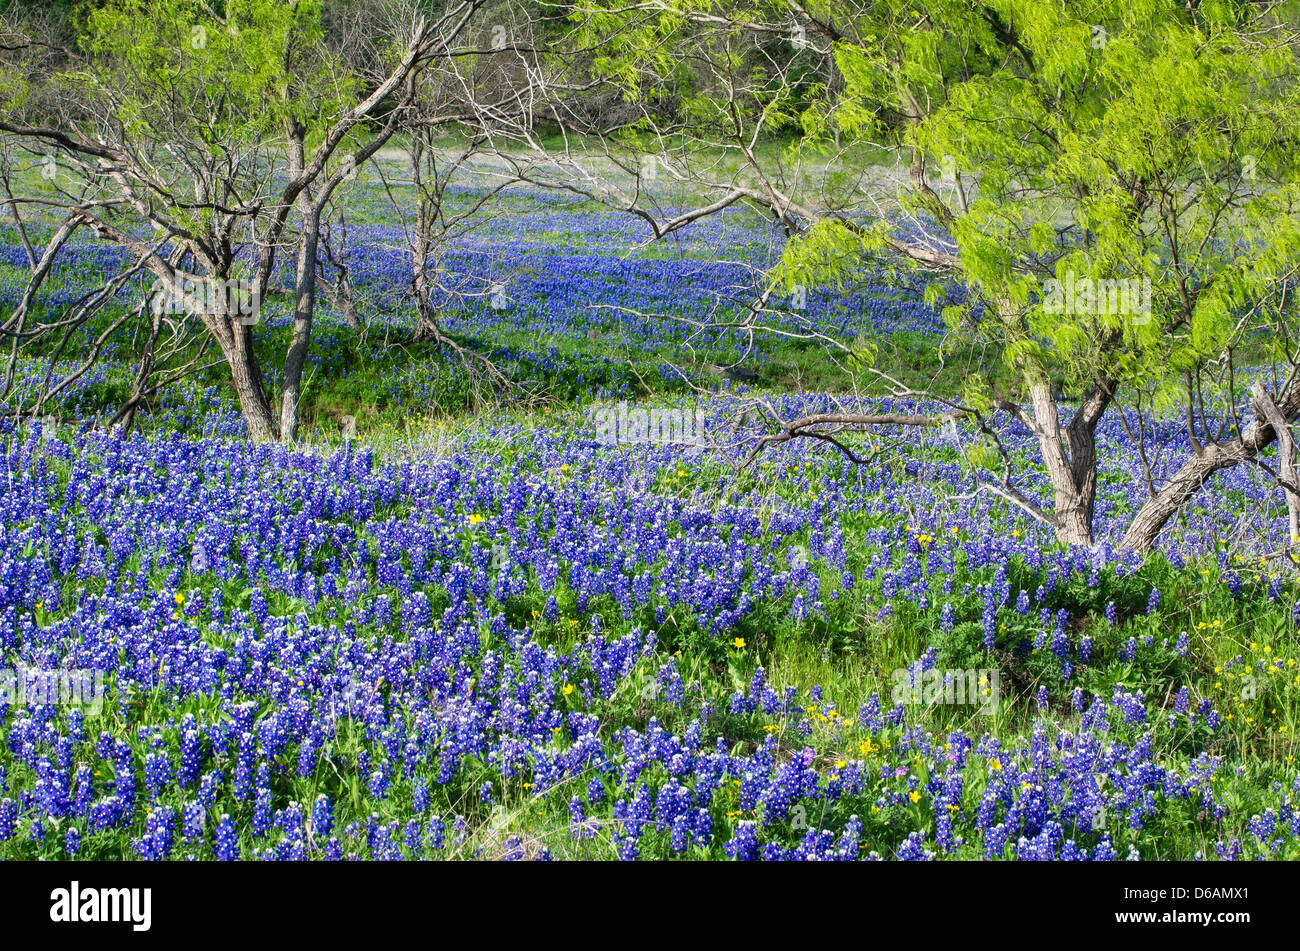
(498,635)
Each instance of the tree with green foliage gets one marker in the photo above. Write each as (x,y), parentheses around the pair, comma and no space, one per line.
(1114,185)
(190,134)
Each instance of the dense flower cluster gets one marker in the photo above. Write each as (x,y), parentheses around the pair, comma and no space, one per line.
(530,642)
(448,630)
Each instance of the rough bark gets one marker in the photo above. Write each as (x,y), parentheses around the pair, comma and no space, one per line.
(1073,480)
(237,348)
(1286,466)
(300,341)
(1070,455)
(428,321)
(304,293)
(1208,459)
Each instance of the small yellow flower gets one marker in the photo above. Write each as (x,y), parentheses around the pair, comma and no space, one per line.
(568,689)
(738,643)
(914,796)
(475,518)
(994,765)
(179,598)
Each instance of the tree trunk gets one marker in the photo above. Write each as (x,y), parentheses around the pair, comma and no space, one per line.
(236,342)
(1162,506)
(427,329)
(1206,461)
(428,322)
(1074,520)
(1286,463)
(300,343)
(304,295)
(247,379)
(1073,473)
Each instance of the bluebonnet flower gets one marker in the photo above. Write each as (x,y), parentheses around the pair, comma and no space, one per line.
(227,841)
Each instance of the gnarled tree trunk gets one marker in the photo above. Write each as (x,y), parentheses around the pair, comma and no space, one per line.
(1209,459)
(1070,454)
(304,294)
(300,342)
(236,342)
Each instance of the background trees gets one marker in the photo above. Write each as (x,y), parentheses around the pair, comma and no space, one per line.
(1111,186)
(191,136)
(1090,145)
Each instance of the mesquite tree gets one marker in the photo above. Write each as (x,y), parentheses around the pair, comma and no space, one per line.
(200,130)
(490,97)
(1113,184)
